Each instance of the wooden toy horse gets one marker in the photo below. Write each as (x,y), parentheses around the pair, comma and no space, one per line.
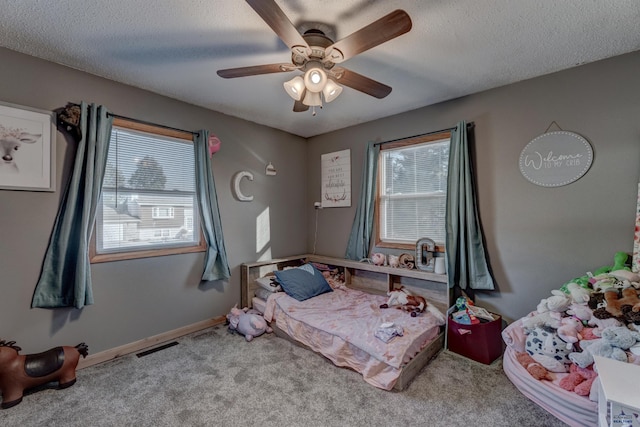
(19,373)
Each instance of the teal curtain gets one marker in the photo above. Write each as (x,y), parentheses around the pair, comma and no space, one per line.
(216,265)
(466,258)
(362,228)
(65,280)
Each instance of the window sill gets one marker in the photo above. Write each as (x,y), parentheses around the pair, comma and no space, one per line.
(98,258)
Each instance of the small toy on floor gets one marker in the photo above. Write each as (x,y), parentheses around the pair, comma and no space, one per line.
(248,324)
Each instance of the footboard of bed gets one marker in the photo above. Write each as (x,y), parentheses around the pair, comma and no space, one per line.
(422,359)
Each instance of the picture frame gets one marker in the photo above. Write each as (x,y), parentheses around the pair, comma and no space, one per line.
(27,148)
(336,179)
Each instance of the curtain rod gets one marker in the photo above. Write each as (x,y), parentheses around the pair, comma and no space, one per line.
(469,125)
(152,124)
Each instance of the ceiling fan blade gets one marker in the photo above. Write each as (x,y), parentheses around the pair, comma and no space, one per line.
(298,107)
(281,25)
(361,83)
(255,70)
(384,29)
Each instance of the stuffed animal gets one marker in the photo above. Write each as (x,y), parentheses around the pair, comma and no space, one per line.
(615,340)
(548,312)
(615,301)
(403,299)
(626,275)
(594,325)
(590,334)
(536,320)
(580,312)
(598,305)
(569,330)
(249,325)
(69,120)
(546,348)
(535,369)
(558,302)
(600,325)
(579,380)
(378,258)
(620,261)
(579,295)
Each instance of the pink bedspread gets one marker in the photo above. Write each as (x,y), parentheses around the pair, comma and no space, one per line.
(340,325)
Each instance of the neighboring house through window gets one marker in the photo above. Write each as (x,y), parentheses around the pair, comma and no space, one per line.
(149,205)
(412,191)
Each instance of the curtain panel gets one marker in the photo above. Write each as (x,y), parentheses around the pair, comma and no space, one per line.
(465,253)
(65,279)
(216,266)
(362,228)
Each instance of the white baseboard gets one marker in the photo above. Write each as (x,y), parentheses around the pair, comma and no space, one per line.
(103,356)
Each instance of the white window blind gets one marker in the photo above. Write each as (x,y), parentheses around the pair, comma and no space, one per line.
(412,193)
(148,198)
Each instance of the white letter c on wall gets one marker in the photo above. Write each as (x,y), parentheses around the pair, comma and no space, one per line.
(236,186)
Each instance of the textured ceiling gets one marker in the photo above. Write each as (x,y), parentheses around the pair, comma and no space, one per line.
(455,48)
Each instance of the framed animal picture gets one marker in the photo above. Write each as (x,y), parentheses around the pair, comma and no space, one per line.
(27,148)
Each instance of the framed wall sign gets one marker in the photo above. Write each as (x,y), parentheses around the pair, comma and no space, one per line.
(336,179)
(27,148)
(557,158)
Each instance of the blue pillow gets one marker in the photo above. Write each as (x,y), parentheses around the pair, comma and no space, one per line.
(303,282)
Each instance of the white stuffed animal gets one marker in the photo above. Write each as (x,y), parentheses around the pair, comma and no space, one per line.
(579,295)
(549,311)
(615,340)
(558,302)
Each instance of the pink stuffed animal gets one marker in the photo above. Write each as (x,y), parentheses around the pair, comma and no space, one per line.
(579,380)
(378,258)
(569,330)
(248,324)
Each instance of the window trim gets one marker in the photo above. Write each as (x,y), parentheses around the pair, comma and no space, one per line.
(378,242)
(94,256)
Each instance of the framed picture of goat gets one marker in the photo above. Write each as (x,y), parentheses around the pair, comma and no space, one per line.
(27,148)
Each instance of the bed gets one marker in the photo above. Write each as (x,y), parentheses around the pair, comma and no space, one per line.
(341,324)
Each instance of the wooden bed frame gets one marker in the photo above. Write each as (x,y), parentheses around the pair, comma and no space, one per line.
(368,278)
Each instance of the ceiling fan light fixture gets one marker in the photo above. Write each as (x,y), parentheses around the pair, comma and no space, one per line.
(312,99)
(315,79)
(295,88)
(331,90)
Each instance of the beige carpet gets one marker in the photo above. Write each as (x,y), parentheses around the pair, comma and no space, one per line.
(216,378)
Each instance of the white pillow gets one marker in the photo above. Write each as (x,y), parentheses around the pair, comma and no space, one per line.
(263,293)
(269,283)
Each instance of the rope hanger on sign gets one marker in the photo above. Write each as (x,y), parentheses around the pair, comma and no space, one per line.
(553,123)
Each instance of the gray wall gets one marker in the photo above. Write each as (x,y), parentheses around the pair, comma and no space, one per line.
(140,298)
(537,238)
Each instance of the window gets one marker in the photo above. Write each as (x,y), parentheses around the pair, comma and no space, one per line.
(162,212)
(412,191)
(149,205)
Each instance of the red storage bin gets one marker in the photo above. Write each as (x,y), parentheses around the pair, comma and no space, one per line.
(481,342)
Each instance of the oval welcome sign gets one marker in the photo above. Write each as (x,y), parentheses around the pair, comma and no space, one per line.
(554,159)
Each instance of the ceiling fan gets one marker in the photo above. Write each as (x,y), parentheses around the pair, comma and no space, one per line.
(316,55)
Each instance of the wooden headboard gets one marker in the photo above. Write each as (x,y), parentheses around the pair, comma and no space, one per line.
(359,275)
